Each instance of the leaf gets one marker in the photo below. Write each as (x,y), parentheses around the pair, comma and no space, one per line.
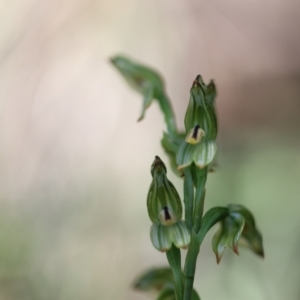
(167,294)
(154,279)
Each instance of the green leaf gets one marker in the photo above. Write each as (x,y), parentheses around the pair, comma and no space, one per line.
(228,234)
(195,295)
(154,279)
(212,217)
(167,294)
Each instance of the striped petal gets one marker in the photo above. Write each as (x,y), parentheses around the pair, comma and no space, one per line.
(162,237)
(205,153)
(202,154)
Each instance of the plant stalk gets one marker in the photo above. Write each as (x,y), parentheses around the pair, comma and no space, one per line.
(188,197)
(174,259)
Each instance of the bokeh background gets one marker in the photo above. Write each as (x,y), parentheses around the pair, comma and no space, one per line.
(75,164)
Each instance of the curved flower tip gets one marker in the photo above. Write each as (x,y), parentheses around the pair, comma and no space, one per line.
(201,109)
(158,166)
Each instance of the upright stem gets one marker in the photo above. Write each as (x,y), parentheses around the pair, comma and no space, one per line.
(188,197)
(200,176)
(174,259)
(190,266)
(195,177)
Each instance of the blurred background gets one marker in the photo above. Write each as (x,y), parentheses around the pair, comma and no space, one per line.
(75,164)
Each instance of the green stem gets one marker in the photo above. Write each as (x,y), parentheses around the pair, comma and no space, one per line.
(200,176)
(188,197)
(174,259)
(166,107)
(190,266)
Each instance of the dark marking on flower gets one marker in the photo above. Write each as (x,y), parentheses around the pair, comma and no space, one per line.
(195,132)
(167,214)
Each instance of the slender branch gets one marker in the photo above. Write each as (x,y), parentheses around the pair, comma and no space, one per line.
(200,176)
(190,266)
(188,197)
(174,259)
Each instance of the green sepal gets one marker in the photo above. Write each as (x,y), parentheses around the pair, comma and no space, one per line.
(162,193)
(228,234)
(154,279)
(251,237)
(202,154)
(211,92)
(211,218)
(171,143)
(162,236)
(201,111)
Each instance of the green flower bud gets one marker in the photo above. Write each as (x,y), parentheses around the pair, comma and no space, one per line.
(201,110)
(211,92)
(251,238)
(228,234)
(237,228)
(162,236)
(196,149)
(162,194)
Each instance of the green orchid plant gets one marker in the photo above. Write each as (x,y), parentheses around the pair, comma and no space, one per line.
(192,156)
